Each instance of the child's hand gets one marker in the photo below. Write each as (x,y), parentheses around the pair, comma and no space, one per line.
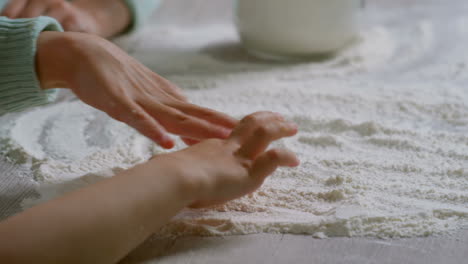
(100,17)
(222,170)
(108,219)
(105,77)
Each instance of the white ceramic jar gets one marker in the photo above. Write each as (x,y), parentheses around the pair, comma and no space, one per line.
(295,29)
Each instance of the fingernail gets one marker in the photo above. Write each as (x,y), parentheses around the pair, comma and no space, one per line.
(296,163)
(226,132)
(293,126)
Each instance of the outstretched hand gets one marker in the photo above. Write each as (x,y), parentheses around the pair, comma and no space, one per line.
(222,170)
(108,219)
(105,77)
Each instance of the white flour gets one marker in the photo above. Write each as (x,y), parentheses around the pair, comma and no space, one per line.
(382,139)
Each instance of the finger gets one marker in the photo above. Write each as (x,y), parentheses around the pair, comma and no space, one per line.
(207,114)
(269,161)
(190,141)
(59,11)
(181,124)
(174,91)
(137,118)
(71,23)
(13,8)
(249,123)
(33,9)
(264,135)
(256,131)
(169,87)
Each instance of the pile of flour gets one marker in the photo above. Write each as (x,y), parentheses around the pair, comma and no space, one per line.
(382,138)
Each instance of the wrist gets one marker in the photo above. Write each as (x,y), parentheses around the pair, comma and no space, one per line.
(52,59)
(184,173)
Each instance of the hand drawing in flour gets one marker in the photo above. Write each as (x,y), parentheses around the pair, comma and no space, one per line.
(105,77)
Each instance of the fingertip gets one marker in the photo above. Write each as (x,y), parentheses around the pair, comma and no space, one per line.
(160,138)
(293,126)
(295,163)
(293,129)
(284,157)
(167,145)
(166,142)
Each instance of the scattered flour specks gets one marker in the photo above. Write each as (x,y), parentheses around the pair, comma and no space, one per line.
(383,128)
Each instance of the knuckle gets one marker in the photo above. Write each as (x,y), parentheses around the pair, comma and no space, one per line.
(261,131)
(138,115)
(181,118)
(274,154)
(250,119)
(207,113)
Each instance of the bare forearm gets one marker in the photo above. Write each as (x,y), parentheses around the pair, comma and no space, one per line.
(98,224)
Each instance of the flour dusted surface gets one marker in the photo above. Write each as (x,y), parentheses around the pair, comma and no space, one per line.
(382,138)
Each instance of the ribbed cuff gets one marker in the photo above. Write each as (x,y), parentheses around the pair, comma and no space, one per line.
(141,11)
(19,85)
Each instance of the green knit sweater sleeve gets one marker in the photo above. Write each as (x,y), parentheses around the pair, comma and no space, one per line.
(141,11)
(19,86)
